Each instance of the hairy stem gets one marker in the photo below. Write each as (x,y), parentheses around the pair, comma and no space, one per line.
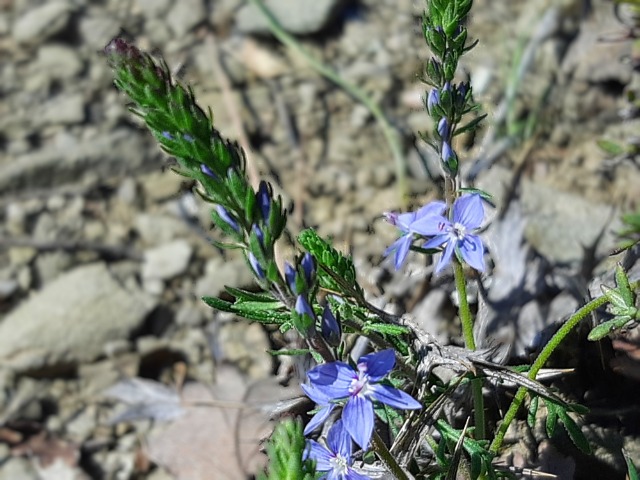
(546,352)
(467,332)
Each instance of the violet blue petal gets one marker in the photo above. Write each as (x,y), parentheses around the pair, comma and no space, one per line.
(334,379)
(339,441)
(430,209)
(468,211)
(472,252)
(446,256)
(431,225)
(378,364)
(318,419)
(436,241)
(393,397)
(321,455)
(358,420)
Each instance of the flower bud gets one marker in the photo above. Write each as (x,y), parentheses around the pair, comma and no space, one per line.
(264,200)
(207,171)
(433,99)
(290,277)
(309,268)
(255,265)
(443,129)
(228,219)
(331,330)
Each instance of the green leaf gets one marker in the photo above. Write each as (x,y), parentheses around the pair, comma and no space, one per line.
(576,435)
(469,127)
(610,147)
(605,328)
(385,329)
(632,472)
(552,418)
(256,314)
(293,352)
(285,452)
(533,410)
(244,295)
(622,281)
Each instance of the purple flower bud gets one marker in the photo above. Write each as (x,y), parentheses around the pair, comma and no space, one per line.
(188,137)
(255,265)
(309,268)
(264,200)
(258,233)
(443,128)
(447,152)
(167,135)
(433,99)
(207,171)
(331,330)
(226,216)
(447,87)
(290,277)
(303,307)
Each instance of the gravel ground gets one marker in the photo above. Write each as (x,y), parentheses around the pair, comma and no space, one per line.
(104,252)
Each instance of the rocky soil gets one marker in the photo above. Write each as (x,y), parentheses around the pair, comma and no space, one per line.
(105,253)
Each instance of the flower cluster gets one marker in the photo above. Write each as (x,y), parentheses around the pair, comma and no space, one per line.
(455,235)
(356,389)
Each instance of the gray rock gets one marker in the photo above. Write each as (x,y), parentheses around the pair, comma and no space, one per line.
(302,17)
(98,29)
(153,8)
(166,261)
(42,22)
(66,109)
(70,320)
(58,61)
(185,15)
(219,272)
(60,165)
(17,467)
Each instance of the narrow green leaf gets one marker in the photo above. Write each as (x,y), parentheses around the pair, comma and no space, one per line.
(631,468)
(576,435)
(533,410)
(610,147)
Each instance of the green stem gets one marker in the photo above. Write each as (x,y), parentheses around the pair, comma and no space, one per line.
(467,332)
(545,354)
(389,133)
(385,456)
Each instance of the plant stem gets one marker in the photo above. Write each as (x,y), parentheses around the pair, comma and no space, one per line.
(388,131)
(546,352)
(467,332)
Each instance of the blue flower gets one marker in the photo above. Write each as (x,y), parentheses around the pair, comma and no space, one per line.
(334,458)
(404,223)
(433,99)
(456,235)
(359,388)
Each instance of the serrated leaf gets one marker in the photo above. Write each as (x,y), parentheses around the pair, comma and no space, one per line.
(552,418)
(576,435)
(385,329)
(605,328)
(533,410)
(257,315)
(290,352)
